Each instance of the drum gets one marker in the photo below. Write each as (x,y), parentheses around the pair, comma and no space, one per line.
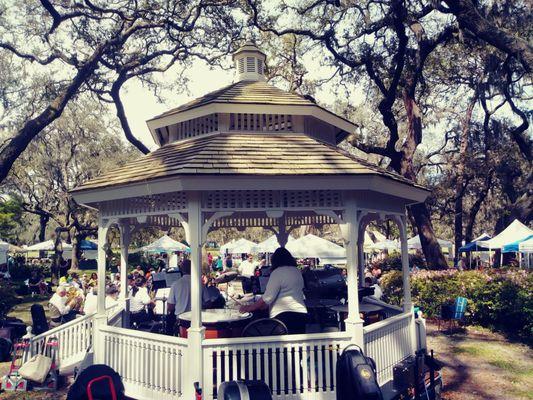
(218,323)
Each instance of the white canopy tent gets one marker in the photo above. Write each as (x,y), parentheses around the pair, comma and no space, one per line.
(244,247)
(414,243)
(390,245)
(165,244)
(48,245)
(311,246)
(235,246)
(515,231)
(526,248)
(269,245)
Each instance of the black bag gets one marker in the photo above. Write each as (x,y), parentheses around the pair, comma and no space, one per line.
(356,376)
(38,316)
(101,389)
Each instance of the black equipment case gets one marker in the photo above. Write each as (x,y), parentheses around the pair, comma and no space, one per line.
(356,376)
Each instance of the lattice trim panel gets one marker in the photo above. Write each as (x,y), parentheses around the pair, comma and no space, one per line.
(260,122)
(270,199)
(244,221)
(154,204)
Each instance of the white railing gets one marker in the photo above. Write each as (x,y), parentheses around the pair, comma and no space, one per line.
(150,365)
(390,310)
(74,338)
(388,342)
(293,366)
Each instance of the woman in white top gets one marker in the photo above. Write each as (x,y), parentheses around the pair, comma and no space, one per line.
(284,294)
(139,300)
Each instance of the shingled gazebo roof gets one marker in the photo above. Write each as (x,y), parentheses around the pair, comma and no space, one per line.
(241,154)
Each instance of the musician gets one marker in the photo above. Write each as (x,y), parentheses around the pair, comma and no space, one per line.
(61,308)
(111,298)
(247,270)
(284,296)
(179,298)
(139,300)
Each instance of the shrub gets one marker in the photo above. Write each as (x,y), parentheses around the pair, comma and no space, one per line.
(21,272)
(393,262)
(499,299)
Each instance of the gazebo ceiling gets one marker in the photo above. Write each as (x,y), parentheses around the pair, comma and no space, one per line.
(228,155)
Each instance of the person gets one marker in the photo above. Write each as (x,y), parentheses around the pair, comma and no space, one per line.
(139,301)
(63,268)
(91,301)
(228,262)
(94,279)
(211,296)
(209,259)
(179,297)
(111,296)
(247,270)
(36,284)
(284,296)
(61,309)
(219,264)
(378,293)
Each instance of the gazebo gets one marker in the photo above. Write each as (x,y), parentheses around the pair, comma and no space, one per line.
(246,155)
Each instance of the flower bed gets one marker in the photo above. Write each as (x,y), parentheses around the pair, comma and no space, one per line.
(500,298)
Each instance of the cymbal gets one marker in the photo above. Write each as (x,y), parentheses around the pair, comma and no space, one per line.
(226,277)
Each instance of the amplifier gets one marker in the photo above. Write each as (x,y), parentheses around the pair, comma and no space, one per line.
(404,373)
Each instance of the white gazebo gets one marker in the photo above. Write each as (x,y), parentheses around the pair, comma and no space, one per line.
(245,155)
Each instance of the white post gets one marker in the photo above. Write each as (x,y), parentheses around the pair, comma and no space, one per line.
(124,245)
(100,318)
(194,371)
(354,323)
(407,302)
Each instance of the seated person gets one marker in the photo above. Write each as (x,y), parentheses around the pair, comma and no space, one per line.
(139,301)
(284,294)
(61,308)
(378,293)
(111,296)
(91,301)
(36,283)
(211,296)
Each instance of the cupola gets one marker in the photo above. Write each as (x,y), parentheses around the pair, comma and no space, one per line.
(249,63)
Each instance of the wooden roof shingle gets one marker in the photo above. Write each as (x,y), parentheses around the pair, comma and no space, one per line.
(244,92)
(239,154)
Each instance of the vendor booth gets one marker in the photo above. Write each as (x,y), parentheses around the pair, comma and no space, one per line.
(248,155)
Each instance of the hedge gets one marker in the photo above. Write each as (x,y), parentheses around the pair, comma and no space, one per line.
(500,299)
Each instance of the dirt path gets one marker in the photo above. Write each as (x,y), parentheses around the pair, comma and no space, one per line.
(481,365)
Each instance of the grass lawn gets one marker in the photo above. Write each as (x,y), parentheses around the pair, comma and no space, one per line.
(480,364)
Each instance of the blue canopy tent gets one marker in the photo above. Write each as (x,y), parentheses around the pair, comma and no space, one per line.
(87,245)
(473,245)
(513,247)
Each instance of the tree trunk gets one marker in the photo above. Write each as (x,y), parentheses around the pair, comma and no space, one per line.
(460,185)
(430,246)
(482,195)
(43,222)
(75,253)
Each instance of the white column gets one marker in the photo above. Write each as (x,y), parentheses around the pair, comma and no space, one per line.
(124,245)
(407,303)
(100,318)
(194,370)
(354,323)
